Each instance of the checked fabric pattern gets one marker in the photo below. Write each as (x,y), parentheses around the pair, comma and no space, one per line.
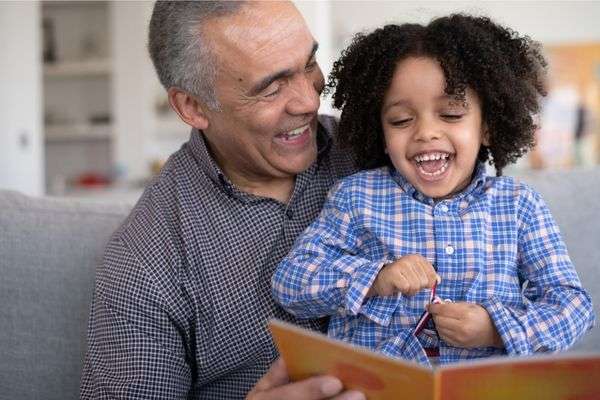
(184,291)
(485,243)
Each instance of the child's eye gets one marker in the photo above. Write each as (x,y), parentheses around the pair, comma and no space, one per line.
(400,122)
(452,117)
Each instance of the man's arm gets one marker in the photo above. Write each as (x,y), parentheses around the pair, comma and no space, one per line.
(135,349)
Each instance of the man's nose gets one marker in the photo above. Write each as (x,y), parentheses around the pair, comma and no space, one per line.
(305,96)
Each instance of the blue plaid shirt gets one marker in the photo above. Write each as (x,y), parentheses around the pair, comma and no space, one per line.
(495,244)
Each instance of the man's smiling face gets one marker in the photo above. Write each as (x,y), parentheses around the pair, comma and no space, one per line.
(268,84)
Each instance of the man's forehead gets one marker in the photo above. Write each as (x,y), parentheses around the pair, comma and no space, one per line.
(255,26)
(272,35)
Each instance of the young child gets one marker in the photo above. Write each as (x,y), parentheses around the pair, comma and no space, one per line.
(423,108)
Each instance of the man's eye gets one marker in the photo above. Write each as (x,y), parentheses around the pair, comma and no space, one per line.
(311,66)
(272,91)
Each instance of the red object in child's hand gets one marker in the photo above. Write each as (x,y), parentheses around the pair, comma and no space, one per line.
(426,316)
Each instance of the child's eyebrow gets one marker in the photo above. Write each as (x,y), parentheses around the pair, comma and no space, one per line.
(397,103)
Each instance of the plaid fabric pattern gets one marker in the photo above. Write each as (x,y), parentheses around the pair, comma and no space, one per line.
(184,291)
(485,243)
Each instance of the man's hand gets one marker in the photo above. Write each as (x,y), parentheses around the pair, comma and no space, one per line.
(407,275)
(275,384)
(466,325)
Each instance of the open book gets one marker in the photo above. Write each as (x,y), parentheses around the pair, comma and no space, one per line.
(543,377)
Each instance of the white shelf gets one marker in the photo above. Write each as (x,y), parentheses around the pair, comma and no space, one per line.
(70,69)
(77,132)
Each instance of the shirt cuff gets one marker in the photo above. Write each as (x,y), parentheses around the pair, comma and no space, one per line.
(378,309)
(513,334)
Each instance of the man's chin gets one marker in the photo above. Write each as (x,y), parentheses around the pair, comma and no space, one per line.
(298,163)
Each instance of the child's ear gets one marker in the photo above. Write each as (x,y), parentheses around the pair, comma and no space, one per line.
(485,135)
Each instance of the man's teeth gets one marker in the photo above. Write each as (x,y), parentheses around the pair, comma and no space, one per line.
(431,157)
(295,133)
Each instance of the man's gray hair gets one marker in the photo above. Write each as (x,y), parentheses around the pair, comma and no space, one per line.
(179,50)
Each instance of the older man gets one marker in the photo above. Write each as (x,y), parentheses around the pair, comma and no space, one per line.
(183,295)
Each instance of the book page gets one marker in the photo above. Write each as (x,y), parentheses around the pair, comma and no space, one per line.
(379,377)
(547,377)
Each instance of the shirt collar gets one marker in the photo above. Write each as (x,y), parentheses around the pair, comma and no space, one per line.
(199,149)
(477,184)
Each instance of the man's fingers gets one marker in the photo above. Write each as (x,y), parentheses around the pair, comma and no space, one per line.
(274,385)
(276,376)
(315,388)
(350,395)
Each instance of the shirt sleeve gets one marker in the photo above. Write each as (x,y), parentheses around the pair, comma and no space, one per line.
(135,349)
(557,310)
(329,271)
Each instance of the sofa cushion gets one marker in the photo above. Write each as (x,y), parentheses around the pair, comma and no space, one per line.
(49,249)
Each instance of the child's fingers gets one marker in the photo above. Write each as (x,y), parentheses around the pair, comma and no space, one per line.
(420,271)
(410,284)
(446,323)
(448,310)
(429,272)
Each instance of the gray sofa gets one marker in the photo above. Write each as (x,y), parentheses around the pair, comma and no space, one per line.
(49,249)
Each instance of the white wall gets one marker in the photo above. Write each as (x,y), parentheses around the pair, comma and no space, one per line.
(131,86)
(21,156)
(550,22)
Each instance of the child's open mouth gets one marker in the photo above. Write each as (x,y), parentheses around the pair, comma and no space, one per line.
(432,165)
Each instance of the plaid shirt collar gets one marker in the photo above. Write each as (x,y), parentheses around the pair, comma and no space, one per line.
(199,149)
(479,184)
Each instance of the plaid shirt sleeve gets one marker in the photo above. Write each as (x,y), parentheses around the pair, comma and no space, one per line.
(557,310)
(132,354)
(327,273)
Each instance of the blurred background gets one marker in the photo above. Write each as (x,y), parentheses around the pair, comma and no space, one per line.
(83,115)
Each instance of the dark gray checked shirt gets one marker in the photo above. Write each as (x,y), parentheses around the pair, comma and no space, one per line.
(184,292)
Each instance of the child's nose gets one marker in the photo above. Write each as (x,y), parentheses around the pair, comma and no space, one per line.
(427,130)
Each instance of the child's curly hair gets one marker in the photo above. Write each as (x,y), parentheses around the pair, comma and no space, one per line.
(506,71)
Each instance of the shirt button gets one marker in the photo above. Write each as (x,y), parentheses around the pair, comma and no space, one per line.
(449,250)
(443,208)
(289,214)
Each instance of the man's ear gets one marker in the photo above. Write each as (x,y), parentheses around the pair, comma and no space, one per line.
(189,109)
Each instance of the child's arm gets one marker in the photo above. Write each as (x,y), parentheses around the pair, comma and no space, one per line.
(326,272)
(335,263)
(557,310)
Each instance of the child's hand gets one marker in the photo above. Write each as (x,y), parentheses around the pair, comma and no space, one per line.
(407,275)
(466,325)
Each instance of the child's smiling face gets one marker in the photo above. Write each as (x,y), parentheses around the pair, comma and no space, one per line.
(431,138)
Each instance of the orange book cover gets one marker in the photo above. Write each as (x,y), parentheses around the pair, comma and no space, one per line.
(544,377)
